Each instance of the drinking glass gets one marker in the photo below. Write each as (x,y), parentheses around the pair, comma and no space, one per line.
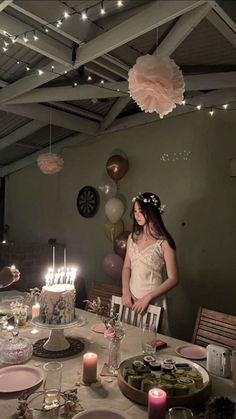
(180,413)
(52,384)
(148,338)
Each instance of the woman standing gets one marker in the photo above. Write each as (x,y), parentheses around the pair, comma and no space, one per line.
(150,248)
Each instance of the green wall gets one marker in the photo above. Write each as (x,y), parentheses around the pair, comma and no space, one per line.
(198,192)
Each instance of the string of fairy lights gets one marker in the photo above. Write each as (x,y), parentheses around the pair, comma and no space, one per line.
(34,35)
(45,27)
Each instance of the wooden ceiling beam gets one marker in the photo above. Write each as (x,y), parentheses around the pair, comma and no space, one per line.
(45,45)
(59,118)
(21,133)
(4,4)
(211,99)
(153,15)
(84,91)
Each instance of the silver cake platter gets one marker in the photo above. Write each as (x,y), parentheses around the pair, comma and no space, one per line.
(57,340)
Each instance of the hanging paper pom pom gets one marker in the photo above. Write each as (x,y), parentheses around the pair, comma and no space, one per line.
(156,84)
(50,163)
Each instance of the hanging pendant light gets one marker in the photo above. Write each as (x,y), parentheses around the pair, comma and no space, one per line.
(50,163)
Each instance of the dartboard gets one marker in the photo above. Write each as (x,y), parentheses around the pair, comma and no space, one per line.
(87,201)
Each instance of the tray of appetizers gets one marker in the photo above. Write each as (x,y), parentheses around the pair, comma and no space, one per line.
(185,382)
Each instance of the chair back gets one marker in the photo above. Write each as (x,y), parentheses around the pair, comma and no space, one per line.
(214,327)
(104,291)
(152,315)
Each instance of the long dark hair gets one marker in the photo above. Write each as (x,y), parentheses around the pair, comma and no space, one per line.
(150,206)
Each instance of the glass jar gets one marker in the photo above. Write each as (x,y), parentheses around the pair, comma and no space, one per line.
(16,350)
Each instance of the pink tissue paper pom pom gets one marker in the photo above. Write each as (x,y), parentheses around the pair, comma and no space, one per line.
(156,84)
(50,163)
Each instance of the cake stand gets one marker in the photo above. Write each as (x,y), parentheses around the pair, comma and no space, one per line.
(57,340)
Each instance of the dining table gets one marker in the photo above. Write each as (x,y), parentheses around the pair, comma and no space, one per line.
(105,392)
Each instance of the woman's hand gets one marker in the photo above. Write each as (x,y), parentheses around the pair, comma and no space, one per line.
(141,305)
(8,276)
(127,300)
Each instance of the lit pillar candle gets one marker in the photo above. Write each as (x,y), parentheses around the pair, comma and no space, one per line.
(35,310)
(89,368)
(156,403)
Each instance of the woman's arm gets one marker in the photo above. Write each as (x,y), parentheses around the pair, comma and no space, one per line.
(8,276)
(169,255)
(126,272)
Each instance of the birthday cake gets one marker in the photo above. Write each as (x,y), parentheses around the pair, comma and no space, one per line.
(57,304)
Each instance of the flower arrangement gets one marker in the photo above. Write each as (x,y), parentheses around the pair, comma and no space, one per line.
(20,306)
(109,317)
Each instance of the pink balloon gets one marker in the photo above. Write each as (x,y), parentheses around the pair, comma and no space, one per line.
(112,266)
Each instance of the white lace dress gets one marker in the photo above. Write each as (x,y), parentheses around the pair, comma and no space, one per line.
(147,273)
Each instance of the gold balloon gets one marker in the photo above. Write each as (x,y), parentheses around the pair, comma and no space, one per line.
(117,167)
(113,230)
(120,244)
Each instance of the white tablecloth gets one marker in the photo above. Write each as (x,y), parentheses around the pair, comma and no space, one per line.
(107,393)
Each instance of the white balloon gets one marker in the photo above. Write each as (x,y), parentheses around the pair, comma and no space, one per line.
(107,188)
(114,209)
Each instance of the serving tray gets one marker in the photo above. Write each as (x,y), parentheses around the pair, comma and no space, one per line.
(189,400)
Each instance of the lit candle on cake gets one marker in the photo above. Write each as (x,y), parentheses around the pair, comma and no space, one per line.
(156,403)
(64,259)
(35,310)
(53,258)
(90,368)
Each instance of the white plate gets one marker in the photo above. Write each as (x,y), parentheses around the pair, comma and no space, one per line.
(19,378)
(101,414)
(191,351)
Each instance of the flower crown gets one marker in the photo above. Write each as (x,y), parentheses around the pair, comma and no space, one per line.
(152,200)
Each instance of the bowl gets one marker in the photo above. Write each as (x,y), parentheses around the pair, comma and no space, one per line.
(101,414)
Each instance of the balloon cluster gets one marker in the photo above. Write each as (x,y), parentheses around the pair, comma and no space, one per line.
(116,167)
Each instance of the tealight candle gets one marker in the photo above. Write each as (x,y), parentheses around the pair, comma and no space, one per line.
(156,403)
(35,310)
(90,368)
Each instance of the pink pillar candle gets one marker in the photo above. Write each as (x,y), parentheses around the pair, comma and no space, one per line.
(156,403)
(90,368)
(35,310)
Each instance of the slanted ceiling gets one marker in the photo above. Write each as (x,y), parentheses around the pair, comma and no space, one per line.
(199,35)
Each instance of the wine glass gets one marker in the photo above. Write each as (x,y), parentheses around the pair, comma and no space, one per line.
(180,412)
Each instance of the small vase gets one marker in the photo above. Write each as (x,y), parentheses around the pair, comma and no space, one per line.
(114,355)
(20,316)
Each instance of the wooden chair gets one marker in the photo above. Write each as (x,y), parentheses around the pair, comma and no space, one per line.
(214,327)
(152,315)
(104,291)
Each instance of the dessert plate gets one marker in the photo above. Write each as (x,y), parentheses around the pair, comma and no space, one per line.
(191,351)
(98,328)
(101,414)
(19,378)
